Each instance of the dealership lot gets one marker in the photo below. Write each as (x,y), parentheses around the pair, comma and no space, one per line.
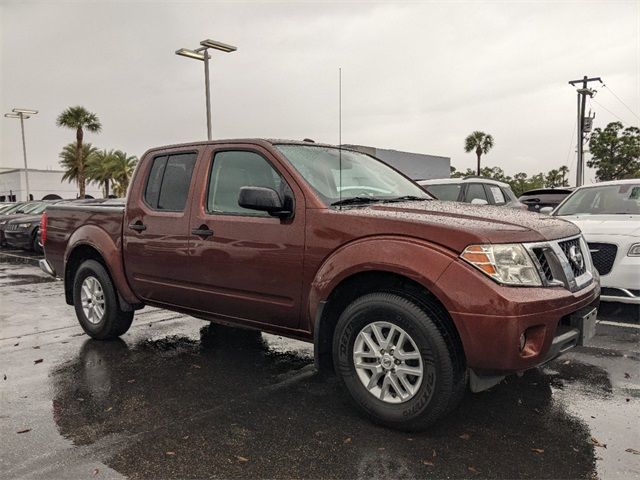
(179,398)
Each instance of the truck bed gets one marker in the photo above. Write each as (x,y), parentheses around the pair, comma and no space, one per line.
(85,222)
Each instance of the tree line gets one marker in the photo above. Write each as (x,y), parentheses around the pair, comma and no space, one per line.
(83,163)
(615,155)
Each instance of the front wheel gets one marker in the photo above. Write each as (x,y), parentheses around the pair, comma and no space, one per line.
(96,303)
(395,362)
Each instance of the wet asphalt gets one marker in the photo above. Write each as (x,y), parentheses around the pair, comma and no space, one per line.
(179,398)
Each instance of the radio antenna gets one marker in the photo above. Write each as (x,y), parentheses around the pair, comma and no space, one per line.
(340,135)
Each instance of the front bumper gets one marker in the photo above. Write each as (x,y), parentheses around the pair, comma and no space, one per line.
(622,284)
(490,319)
(18,238)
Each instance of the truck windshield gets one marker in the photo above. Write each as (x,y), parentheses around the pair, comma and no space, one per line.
(363,178)
(623,199)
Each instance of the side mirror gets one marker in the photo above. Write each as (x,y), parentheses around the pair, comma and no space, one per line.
(546,210)
(262,199)
(479,201)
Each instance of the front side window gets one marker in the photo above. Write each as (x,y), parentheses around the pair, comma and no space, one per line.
(169,180)
(449,191)
(360,176)
(232,170)
(621,199)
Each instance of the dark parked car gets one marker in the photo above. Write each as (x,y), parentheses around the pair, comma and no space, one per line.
(476,190)
(544,197)
(21,208)
(22,231)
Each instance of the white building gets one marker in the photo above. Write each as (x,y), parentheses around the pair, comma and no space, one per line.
(13,186)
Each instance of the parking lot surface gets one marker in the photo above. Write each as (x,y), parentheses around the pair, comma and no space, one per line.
(177,397)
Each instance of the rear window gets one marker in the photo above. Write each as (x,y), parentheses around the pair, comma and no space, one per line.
(168,182)
(448,192)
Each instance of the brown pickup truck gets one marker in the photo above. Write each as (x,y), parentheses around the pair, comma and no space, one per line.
(410,300)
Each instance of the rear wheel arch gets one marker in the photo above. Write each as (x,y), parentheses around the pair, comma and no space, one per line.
(76,258)
(363,283)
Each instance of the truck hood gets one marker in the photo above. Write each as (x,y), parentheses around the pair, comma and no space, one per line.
(606,224)
(457,225)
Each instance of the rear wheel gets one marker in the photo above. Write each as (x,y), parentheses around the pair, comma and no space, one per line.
(35,245)
(394,362)
(96,303)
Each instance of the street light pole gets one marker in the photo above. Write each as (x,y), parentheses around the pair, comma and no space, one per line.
(202,54)
(207,92)
(23,113)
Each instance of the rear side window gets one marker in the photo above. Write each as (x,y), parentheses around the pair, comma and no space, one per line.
(476,191)
(445,192)
(168,182)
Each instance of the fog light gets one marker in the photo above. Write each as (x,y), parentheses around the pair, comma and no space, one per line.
(523,340)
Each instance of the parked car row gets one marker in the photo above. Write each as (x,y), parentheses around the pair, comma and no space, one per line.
(20,224)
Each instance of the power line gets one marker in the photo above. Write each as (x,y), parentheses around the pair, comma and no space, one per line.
(605,108)
(620,100)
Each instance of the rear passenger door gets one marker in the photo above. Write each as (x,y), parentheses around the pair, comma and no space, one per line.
(156,227)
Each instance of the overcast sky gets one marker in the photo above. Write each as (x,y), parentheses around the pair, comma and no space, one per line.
(417,76)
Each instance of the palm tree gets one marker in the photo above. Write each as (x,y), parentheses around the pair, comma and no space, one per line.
(564,171)
(553,178)
(79,119)
(122,167)
(70,163)
(100,169)
(480,142)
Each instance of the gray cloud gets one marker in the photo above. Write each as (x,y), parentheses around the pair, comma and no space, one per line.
(417,76)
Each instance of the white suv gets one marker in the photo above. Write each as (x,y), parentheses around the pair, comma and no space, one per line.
(608,214)
(476,190)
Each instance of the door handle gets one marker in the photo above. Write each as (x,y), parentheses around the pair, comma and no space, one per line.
(202,231)
(138,226)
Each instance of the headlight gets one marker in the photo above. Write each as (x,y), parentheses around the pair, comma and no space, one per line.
(22,226)
(508,263)
(634,251)
(3,222)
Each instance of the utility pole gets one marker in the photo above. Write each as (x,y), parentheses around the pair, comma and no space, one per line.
(582,100)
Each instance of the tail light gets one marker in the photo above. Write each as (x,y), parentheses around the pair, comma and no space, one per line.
(43,228)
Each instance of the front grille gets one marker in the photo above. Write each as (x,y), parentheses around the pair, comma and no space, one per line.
(12,227)
(603,255)
(571,250)
(544,263)
(614,292)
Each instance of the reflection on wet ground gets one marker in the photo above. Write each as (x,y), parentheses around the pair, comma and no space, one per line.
(229,406)
(179,398)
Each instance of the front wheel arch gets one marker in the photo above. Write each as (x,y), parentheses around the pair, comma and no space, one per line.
(364,283)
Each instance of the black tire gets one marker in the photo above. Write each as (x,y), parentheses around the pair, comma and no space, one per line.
(114,321)
(35,246)
(441,388)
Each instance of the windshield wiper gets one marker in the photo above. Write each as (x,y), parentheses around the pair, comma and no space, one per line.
(405,198)
(355,201)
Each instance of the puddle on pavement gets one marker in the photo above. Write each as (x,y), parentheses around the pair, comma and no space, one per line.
(217,406)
